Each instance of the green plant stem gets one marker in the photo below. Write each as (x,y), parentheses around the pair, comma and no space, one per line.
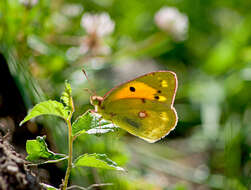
(69,166)
(70,148)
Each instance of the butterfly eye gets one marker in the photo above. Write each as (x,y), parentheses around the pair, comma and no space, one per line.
(159,91)
(132,89)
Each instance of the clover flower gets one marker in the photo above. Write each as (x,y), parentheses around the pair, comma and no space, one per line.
(28,3)
(96,26)
(72,9)
(101,24)
(172,21)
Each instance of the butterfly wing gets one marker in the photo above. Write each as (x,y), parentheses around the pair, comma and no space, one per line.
(150,121)
(160,86)
(143,106)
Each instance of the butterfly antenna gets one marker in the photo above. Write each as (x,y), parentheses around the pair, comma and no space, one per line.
(89,91)
(86,89)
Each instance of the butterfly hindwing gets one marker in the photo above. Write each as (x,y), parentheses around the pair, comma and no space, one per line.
(150,121)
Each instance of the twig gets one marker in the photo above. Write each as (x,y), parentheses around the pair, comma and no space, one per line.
(90,187)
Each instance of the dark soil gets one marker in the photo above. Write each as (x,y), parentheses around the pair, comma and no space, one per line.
(14,175)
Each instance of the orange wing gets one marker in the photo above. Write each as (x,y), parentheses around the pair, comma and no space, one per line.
(160,86)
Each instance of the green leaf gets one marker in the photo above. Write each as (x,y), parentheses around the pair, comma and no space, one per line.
(37,150)
(91,124)
(67,96)
(82,123)
(104,127)
(49,107)
(97,161)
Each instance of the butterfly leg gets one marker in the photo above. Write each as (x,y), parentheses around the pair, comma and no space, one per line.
(94,112)
(99,122)
(113,124)
(89,110)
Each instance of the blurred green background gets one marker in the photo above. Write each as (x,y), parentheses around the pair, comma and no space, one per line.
(206,42)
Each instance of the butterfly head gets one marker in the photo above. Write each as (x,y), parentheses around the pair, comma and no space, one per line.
(96,101)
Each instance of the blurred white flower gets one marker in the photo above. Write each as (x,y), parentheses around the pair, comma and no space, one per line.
(72,10)
(100,24)
(72,53)
(97,26)
(94,45)
(28,3)
(172,21)
(60,21)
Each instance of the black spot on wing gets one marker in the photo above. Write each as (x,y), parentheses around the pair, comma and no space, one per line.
(156,97)
(131,122)
(132,89)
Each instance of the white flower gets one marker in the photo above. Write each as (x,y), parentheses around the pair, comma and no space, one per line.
(72,10)
(172,21)
(96,26)
(99,24)
(94,45)
(29,3)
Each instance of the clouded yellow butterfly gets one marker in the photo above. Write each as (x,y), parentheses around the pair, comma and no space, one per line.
(142,106)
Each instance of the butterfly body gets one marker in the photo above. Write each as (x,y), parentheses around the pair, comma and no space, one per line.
(142,106)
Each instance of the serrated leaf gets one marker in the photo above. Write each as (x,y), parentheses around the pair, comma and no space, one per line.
(37,150)
(105,128)
(49,107)
(67,96)
(82,123)
(97,161)
(91,124)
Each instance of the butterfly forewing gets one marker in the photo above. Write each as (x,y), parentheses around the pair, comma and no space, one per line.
(160,86)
